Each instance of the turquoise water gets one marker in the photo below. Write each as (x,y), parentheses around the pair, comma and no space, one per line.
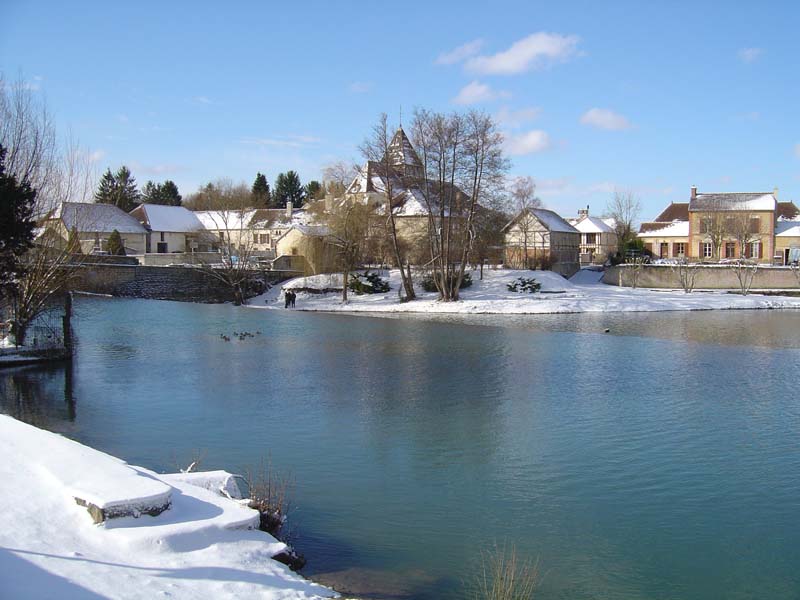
(659,460)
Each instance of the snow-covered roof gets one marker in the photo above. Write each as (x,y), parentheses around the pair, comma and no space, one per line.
(276,218)
(733,201)
(176,219)
(96,217)
(676,229)
(787,228)
(589,224)
(549,219)
(225,219)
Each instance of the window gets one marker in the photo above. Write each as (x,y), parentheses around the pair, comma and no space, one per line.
(755,224)
(255,238)
(663,251)
(678,249)
(264,238)
(162,236)
(755,250)
(161,247)
(591,238)
(707,249)
(730,249)
(221,236)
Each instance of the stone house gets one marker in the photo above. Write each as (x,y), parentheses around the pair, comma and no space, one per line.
(171,229)
(598,238)
(715,226)
(94,223)
(540,238)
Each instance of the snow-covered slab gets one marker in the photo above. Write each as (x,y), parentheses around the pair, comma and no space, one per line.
(109,489)
(204,546)
(491,296)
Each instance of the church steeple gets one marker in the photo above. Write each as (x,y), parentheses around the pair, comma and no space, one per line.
(402,156)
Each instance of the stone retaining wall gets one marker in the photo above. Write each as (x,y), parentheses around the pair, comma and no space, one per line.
(710,277)
(186,284)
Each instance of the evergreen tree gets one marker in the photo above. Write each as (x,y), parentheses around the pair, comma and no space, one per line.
(161,193)
(16,224)
(127,197)
(314,190)
(288,189)
(106,191)
(262,198)
(170,194)
(118,189)
(114,244)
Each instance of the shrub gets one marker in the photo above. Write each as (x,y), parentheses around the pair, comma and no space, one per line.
(368,283)
(504,576)
(523,284)
(429,284)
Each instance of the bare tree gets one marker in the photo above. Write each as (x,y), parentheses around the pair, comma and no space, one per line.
(687,274)
(338,176)
(634,268)
(523,200)
(59,171)
(222,194)
(744,228)
(745,272)
(624,208)
(348,225)
(376,149)
(463,163)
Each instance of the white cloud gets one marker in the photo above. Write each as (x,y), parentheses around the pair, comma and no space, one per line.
(512,119)
(603,118)
(535,51)
(97,156)
(476,92)
(461,53)
(602,187)
(750,55)
(359,87)
(203,100)
(529,142)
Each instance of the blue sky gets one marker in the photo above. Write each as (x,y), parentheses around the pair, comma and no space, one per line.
(649,96)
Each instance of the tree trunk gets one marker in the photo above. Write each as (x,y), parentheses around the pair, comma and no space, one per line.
(345,278)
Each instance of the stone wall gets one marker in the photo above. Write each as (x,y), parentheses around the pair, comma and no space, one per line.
(710,277)
(161,283)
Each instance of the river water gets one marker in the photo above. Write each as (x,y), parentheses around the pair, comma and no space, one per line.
(657,460)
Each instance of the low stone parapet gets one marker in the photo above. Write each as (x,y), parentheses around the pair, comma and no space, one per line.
(709,277)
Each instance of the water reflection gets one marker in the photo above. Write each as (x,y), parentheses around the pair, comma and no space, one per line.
(42,396)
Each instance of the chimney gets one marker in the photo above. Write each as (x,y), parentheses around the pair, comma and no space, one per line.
(694,192)
(583,212)
(775,193)
(289,209)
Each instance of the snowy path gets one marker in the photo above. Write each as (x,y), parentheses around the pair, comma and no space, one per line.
(584,293)
(201,547)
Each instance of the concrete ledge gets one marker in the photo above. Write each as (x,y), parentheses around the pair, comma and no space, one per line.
(709,277)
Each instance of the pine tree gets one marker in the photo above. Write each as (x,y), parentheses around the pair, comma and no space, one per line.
(118,189)
(114,244)
(170,194)
(161,193)
(127,196)
(261,192)
(314,190)
(16,224)
(288,189)
(106,191)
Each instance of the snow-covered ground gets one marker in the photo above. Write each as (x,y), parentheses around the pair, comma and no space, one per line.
(202,546)
(582,293)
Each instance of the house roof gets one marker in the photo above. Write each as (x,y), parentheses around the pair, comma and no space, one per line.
(676,211)
(674,229)
(96,217)
(225,219)
(276,218)
(176,219)
(589,224)
(787,210)
(787,228)
(733,201)
(549,219)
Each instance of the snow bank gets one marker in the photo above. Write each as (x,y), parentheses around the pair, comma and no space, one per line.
(584,293)
(204,545)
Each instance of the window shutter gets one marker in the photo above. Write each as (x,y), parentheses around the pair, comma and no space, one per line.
(760,251)
(700,251)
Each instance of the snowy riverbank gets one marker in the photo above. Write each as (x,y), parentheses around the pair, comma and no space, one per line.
(202,546)
(582,293)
